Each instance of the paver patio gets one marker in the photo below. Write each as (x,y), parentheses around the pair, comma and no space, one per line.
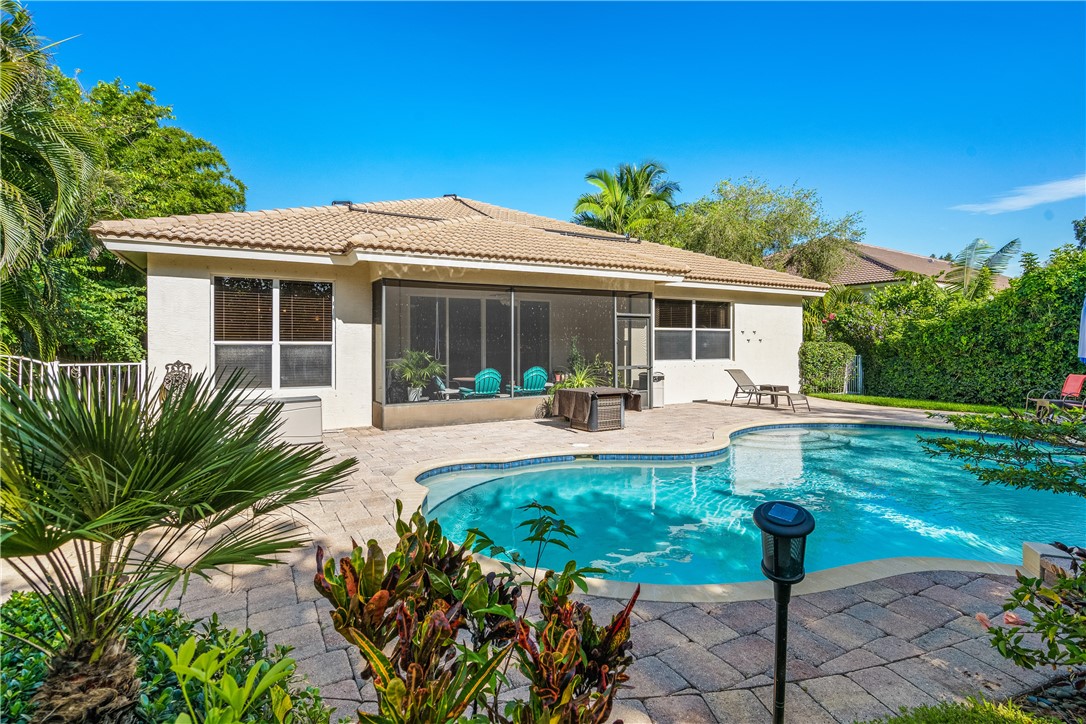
(855,653)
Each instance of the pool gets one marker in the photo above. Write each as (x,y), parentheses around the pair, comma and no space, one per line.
(873,490)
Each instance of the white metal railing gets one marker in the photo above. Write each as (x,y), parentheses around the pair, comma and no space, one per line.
(105,381)
(854,376)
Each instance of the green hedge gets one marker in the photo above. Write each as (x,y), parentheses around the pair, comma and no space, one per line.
(926,344)
(822,365)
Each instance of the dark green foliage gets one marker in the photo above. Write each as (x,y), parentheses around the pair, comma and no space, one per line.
(822,365)
(23,667)
(1047,453)
(1043,451)
(919,341)
(153,168)
(429,593)
(971,711)
(73,157)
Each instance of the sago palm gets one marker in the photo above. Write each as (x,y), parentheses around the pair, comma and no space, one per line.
(105,506)
(48,163)
(628,201)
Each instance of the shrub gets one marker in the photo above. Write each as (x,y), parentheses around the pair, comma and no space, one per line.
(195,478)
(438,635)
(1039,452)
(23,667)
(971,711)
(922,342)
(822,365)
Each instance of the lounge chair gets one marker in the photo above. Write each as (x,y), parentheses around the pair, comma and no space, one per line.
(445,392)
(487,384)
(745,386)
(535,382)
(1070,395)
(792,397)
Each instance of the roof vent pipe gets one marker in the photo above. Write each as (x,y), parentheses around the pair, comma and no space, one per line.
(451,196)
(348,204)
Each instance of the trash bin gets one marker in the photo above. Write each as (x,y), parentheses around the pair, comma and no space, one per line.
(657,389)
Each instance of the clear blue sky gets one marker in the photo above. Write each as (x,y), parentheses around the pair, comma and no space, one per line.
(899,111)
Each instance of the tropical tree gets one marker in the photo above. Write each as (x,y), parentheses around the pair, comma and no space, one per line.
(628,200)
(819,312)
(750,222)
(105,506)
(48,161)
(152,168)
(976,264)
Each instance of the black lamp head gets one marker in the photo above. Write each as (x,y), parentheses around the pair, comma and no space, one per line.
(785,527)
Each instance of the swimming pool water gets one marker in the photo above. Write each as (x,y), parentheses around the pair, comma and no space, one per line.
(874,493)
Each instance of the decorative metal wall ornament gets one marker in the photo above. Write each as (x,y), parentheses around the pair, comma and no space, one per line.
(177,376)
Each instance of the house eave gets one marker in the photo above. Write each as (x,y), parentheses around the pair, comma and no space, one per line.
(753,288)
(523,267)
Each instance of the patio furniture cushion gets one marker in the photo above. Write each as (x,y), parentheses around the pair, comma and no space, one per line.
(576,403)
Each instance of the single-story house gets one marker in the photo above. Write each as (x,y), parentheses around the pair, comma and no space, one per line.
(870,267)
(324,302)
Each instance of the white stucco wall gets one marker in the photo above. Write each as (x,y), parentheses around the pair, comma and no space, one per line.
(179,297)
(767,330)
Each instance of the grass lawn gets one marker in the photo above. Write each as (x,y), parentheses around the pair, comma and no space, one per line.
(911,404)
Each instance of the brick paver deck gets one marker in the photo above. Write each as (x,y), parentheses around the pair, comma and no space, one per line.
(856,653)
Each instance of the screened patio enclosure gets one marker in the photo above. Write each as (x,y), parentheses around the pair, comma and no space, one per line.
(478,333)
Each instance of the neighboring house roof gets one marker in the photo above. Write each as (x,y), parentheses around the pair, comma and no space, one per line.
(446,227)
(876,265)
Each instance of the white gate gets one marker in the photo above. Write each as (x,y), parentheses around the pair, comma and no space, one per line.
(106,381)
(854,376)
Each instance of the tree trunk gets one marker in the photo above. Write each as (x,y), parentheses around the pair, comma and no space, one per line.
(76,690)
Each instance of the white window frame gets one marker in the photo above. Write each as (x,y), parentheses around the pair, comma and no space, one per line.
(693,330)
(276,344)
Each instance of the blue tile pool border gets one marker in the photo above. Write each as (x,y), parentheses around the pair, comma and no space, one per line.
(675,457)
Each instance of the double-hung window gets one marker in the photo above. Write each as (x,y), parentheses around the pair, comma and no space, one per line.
(278,332)
(687,330)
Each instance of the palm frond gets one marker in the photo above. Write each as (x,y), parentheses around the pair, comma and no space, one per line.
(104,505)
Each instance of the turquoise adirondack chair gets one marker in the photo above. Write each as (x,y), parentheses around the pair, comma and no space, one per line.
(535,382)
(487,384)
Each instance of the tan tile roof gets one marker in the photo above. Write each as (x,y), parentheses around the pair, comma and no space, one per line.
(447,226)
(876,265)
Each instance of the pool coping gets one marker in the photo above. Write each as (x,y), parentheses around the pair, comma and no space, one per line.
(415,492)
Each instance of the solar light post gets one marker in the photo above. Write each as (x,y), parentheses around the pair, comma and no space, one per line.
(785,527)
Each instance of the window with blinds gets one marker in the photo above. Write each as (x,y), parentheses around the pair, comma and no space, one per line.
(305,312)
(243,310)
(290,349)
(687,330)
(673,314)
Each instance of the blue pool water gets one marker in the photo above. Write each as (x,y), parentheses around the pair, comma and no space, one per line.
(874,493)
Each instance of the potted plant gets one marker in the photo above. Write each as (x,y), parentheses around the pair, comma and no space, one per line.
(417,369)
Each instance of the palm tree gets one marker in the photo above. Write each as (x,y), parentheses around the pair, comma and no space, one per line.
(48,163)
(816,312)
(105,506)
(627,201)
(976,264)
